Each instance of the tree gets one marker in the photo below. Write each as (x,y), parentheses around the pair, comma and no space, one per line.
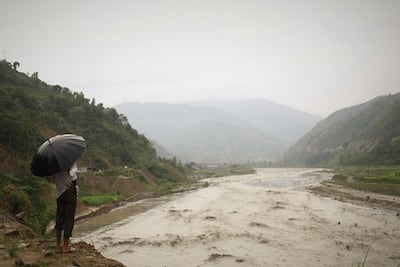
(35,75)
(15,65)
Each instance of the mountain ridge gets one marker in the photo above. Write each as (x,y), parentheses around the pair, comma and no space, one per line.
(182,128)
(284,122)
(353,135)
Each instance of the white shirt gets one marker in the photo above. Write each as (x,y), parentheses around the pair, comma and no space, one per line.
(63,179)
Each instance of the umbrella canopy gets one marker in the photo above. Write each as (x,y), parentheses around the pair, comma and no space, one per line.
(57,153)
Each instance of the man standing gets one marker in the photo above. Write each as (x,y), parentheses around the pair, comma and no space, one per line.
(66,205)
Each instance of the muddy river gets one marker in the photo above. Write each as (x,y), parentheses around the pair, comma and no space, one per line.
(263,219)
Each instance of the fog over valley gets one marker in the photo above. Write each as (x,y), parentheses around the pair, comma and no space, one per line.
(238,131)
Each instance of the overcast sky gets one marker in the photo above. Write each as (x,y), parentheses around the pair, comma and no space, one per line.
(315,56)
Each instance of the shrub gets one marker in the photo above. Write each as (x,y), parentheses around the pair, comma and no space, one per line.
(17,200)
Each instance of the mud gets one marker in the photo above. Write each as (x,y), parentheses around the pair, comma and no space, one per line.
(265,219)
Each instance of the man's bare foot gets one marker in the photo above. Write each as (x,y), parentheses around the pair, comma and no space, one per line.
(59,249)
(68,249)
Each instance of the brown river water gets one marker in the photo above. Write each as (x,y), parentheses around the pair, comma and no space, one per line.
(264,219)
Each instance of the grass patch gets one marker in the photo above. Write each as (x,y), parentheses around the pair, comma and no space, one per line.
(222,171)
(114,172)
(378,179)
(12,250)
(164,187)
(142,179)
(98,200)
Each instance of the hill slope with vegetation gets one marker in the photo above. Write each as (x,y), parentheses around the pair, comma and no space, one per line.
(366,134)
(32,111)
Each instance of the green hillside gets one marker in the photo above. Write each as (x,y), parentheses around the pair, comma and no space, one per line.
(366,134)
(32,111)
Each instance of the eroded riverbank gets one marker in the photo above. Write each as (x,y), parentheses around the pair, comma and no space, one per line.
(265,219)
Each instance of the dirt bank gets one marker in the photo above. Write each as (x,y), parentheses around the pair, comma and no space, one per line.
(19,246)
(96,184)
(357,197)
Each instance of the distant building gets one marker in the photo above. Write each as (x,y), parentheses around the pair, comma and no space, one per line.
(212,166)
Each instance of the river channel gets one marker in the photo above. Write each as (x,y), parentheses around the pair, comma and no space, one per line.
(263,219)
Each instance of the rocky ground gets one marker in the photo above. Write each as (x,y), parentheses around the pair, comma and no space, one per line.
(19,246)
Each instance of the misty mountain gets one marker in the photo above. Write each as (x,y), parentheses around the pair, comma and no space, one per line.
(220,131)
(220,141)
(368,133)
(161,151)
(278,120)
(159,121)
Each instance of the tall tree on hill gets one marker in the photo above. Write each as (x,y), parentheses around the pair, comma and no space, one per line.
(15,65)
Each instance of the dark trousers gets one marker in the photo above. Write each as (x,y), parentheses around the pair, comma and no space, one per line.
(65,216)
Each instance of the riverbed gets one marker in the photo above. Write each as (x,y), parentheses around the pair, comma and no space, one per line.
(263,219)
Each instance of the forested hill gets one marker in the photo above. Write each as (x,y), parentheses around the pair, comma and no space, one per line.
(32,111)
(366,134)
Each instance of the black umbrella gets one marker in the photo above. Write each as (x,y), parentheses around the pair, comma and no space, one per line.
(57,153)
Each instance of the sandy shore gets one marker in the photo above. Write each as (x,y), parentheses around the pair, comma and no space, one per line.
(265,219)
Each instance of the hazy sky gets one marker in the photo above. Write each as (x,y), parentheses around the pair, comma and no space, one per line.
(316,56)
